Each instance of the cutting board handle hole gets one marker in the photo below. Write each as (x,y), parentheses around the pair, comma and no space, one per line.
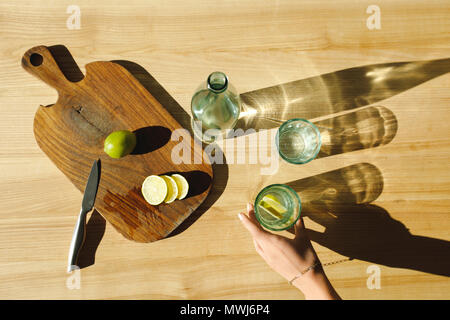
(36,59)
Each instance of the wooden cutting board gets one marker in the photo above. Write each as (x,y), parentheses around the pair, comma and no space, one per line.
(72,131)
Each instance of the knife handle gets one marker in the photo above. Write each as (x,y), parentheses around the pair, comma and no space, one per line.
(79,234)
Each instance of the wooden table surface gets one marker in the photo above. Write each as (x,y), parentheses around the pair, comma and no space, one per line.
(379,191)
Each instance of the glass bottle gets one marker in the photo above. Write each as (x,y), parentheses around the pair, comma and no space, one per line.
(215,108)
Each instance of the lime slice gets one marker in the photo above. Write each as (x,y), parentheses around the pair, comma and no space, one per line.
(182,184)
(270,212)
(172,189)
(154,189)
(271,204)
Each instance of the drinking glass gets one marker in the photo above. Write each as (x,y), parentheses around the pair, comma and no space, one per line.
(298,141)
(277,207)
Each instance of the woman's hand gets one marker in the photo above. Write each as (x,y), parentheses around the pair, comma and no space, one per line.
(289,257)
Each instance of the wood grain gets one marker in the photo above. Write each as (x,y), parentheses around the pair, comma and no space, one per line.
(71,132)
(258,44)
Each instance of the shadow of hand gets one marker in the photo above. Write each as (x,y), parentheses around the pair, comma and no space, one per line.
(369,233)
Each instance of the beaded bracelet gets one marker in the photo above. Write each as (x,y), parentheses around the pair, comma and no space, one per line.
(304,271)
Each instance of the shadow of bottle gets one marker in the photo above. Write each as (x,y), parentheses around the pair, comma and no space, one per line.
(334,92)
(339,201)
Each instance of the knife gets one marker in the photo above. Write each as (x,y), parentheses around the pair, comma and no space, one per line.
(79,233)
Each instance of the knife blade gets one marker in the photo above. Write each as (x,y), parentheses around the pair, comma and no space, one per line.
(79,233)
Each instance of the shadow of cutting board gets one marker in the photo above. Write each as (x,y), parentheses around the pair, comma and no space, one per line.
(72,131)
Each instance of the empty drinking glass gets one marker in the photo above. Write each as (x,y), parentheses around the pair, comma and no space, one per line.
(298,141)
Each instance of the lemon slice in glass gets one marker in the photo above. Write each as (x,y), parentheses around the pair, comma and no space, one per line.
(172,189)
(268,212)
(154,189)
(182,184)
(272,206)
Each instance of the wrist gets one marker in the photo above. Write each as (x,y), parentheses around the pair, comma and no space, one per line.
(315,285)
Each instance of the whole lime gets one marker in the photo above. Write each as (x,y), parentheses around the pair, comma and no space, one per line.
(119,143)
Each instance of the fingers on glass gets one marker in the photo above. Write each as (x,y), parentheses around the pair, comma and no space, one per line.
(252,225)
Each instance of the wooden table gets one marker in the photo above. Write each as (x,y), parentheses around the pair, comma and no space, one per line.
(385,129)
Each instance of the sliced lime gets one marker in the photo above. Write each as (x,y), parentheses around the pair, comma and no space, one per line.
(182,184)
(172,189)
(154,189)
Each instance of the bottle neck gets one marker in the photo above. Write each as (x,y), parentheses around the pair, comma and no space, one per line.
(217,82)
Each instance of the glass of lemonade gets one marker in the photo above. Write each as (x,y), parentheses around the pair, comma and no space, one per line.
(277,207)
(298,141)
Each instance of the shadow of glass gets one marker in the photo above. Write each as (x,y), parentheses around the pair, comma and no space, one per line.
(339,201)
(150,138)
(95,229)
(355,184)
(362,129)
(334,92)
